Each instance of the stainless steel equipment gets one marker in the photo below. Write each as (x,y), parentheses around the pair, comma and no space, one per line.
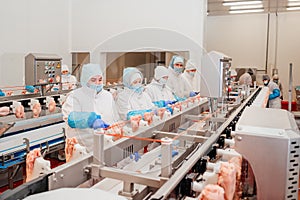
(42,69)
(271,145)
(215,75)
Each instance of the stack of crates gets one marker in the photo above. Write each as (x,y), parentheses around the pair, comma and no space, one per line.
(297,88)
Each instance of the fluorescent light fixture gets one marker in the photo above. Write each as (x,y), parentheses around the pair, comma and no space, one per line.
(239,3)
(294,3)
(246,7)
(245,11)
(293,8)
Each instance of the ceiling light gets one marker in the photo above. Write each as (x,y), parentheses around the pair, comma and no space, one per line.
(293,8)
(246,7)
(245,11)
(294,3)
(238,3)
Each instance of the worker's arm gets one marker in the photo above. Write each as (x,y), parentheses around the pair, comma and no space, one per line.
(275,93)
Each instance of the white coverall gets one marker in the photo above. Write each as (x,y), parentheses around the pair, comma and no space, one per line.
(130,100)
(85,99)
(176,82)
(68,81)
(157,89)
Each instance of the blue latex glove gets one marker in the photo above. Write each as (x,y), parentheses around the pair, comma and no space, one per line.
(29,88)
(192,94)
(82,119)
(159,104)
(169,109)
(99,123)
(136,156)
(55,89)
(275,93)
(2,94)
(178,99)
(170,102)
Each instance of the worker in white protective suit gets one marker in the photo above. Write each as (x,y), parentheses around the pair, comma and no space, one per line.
(246,78)
(176,82)
(276,80)
(274,97)
(91,97)
(68,81)
(133,97)
(157,89)
(191,77)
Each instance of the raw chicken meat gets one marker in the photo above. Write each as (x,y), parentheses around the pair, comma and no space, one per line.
(227,179)
(36,110)
(135,121)
(148,116)
(117,128)
(161,112)
(52,106)
(35,165)
(19,113)
(73,150)
(212,192)
(237,161)
(69,148)
(9,93)
(4,111)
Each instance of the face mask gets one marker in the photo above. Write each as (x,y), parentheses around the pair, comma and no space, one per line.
(266,83)
(163,81)
(192,73)
(178,70)
(275,81)
(138,88)
(98,88)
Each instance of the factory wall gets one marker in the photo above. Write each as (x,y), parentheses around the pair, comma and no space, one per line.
(94,26)
(244,38)
(30,26)
(120,26)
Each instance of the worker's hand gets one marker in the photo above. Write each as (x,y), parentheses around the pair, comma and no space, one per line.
(192,94)
(29,88)
(99,123)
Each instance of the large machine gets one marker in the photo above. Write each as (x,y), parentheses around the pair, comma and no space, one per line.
(187,152)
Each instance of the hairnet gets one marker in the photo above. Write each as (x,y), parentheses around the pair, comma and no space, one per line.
(266,77)
(190,65)
(160,71)
(176,59)
(65,68)
(130,74)
(88,71)
(276,77)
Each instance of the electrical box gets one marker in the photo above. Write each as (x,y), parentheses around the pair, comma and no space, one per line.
(42,69)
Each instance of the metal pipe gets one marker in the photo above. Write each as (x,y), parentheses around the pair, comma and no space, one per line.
(290,87)
(267,45)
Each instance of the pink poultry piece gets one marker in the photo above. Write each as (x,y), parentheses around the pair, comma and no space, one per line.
(9,93)
(227,179)
(117,128)
(69,148)
(212,192)
(148,116)
(36,110)
(135,121)
(161,112)
(4,111)
(19,113)
(52,106)
(237,161)
(36,165)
